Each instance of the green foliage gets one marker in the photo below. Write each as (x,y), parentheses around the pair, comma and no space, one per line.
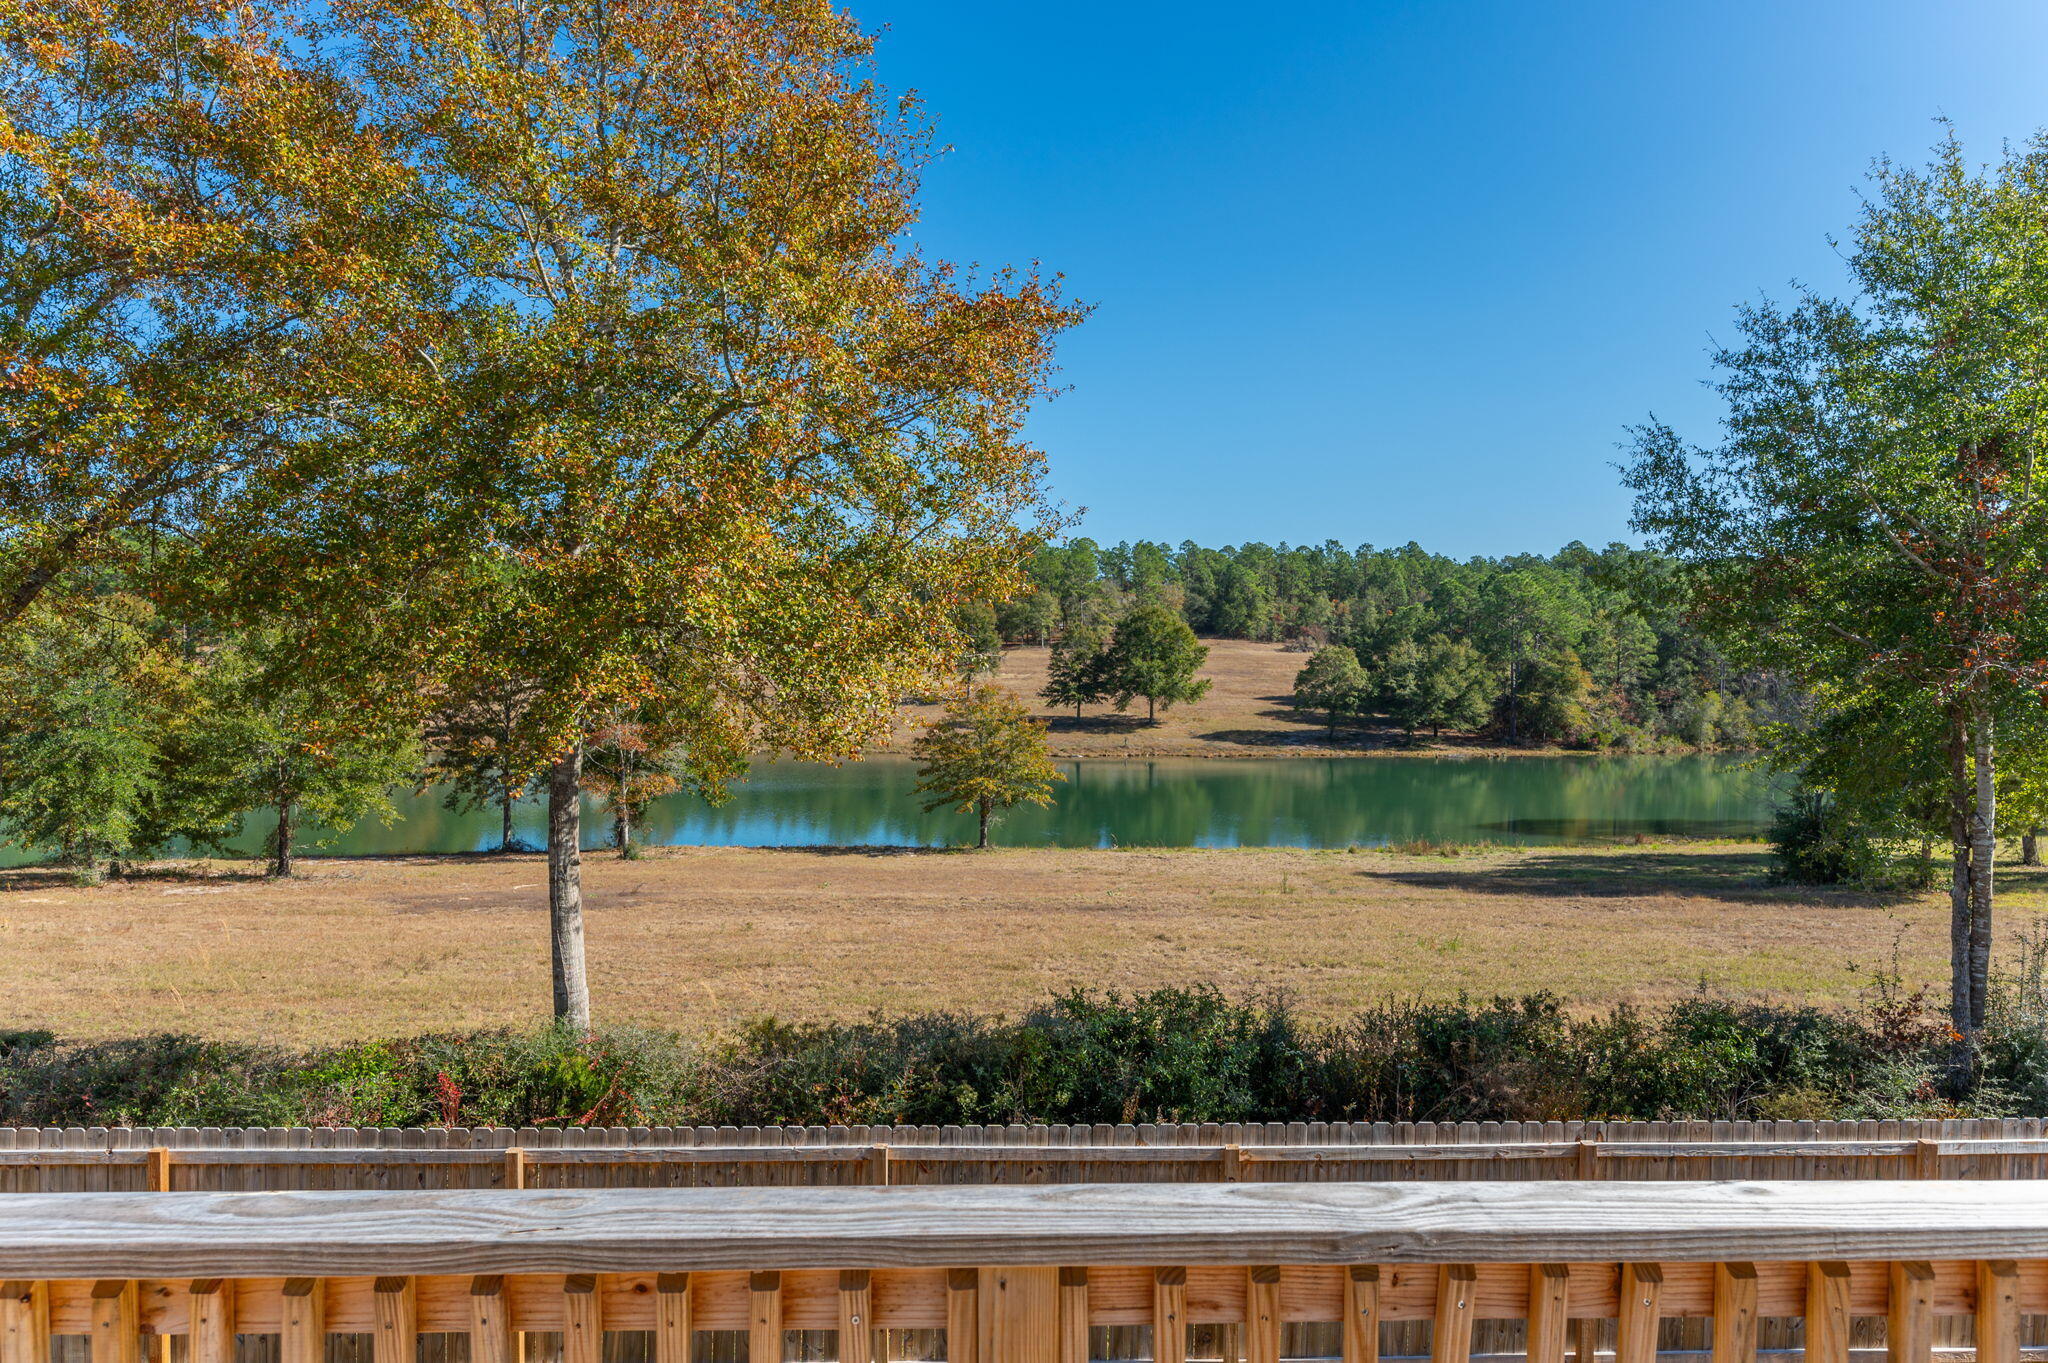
(1077,673)
(1331,681)
(985,754)
(981,650)
(1447,643)
(1177,1054)
(1818,841)
(1155,655)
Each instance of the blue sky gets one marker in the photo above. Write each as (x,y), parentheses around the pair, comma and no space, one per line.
(1380,272)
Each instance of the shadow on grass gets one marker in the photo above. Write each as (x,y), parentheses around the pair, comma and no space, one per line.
(1738,877)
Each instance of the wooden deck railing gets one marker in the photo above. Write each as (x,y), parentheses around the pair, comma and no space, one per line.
(1022,1275)
(166,1159)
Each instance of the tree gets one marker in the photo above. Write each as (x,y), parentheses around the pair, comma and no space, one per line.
(82,708)
(201,247)
(1873,521)
(697,437)
(473,753)
(1155,655)
(1331,681)
(626,767)
(983,651)
(1521,613)
(1557,692)
(1076,673)
(1027,618)
(264,738)
(986,755)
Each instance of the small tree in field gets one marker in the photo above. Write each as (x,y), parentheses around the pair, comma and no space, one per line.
(1332,682)
(1155,655)
(1075,675)
(985,755)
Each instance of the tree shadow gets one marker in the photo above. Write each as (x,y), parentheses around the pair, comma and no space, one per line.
(1111,723)
(1741,878)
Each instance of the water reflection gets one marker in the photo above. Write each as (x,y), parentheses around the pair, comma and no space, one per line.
(1175,803)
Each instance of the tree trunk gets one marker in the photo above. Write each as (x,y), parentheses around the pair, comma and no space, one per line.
(281,839)
(1151,710)
(982,808)
(2030,847)
(622,829)
(505,818)
(1961,792)
(1983,853)
(565,888)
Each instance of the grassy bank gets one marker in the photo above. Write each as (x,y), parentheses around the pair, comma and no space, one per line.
(699,939)
(1179,1055)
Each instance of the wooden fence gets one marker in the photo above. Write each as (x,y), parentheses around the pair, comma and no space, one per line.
(1026,1274)
(190,1159)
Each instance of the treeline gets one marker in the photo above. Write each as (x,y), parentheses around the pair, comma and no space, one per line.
(1583,647)
(1170,1055)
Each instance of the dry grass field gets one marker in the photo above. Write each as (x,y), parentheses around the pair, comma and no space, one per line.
(1247,713)
(708,937)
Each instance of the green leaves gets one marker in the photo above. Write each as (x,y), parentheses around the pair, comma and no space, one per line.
(984,755)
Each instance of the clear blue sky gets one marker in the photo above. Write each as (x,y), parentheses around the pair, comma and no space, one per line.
(1382,272)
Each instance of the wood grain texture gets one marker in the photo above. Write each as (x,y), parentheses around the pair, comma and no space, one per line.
(394,1337)
(302,1322)
(1998,1312)
(963,1316)
(1909,1317)
(491,1336)
(674,1318)
(1735,1318)
(1361,1314)
(1073,1316)
(1639,1307)
(1457,1306)
(24,1322)
(171,1235)
(1262,1314)
(764,1317)
(1170,1315)
(116,1322)
(1549,1302)
(1827,1312)
(210,1311)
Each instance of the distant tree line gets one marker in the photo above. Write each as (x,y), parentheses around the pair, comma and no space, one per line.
(1583,647)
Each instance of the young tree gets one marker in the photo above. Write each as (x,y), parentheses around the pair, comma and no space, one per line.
(1155,655)
(1027,618)
(266,739)
(1452,690)
(1331,681)
(983,654)
(627,767)
(473,754)
(699,439)
(1075,675)
(1874,520)
(986,755)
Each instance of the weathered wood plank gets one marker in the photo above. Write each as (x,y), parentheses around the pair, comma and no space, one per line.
(764,1317)
(583,1321)
(857,1316)
(1262,1314)
(674,1322)
(395,1335)
(963,1316)
(210,1311)
(116,1322)
(170,1235)
(491,1336)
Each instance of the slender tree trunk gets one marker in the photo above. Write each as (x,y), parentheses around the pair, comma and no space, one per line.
(565,888)
(1983,853)
(505,818)
(981,808)
(281,839)
(1151,710)
(1961,800)
(622,829)
(2030,847)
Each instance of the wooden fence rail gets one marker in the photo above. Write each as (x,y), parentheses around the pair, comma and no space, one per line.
(120,1160)
(1026,1275)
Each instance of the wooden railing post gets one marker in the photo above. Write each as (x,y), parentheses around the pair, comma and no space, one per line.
(1827,1313)
(1262,1315)
(857,1314)
(395,1331)
(1362,1314)
(211,1312)
(1170,1315)
(116,1322)
(1549,1301)
(674,1322)
(764,1318)
(1020,1315)
(1642,1292)
(303,1322)
(1073,1316)
(1735,1319)
(583,1323)
(963,1316)
(24,1322)
(1998,1311)
(1909,1321)
(1456,1308)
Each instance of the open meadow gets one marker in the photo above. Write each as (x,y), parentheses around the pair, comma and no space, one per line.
(709,937)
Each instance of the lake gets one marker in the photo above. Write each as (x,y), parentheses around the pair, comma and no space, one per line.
(1291,802)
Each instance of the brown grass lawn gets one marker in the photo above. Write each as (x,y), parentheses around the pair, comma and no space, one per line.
(707,937)
(1247,713)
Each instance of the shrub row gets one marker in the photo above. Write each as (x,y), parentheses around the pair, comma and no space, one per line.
(1169,1055)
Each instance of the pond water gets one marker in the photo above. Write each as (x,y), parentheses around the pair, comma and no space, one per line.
(1292,802)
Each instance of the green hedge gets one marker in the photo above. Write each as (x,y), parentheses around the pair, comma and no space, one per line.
(1169,1055)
